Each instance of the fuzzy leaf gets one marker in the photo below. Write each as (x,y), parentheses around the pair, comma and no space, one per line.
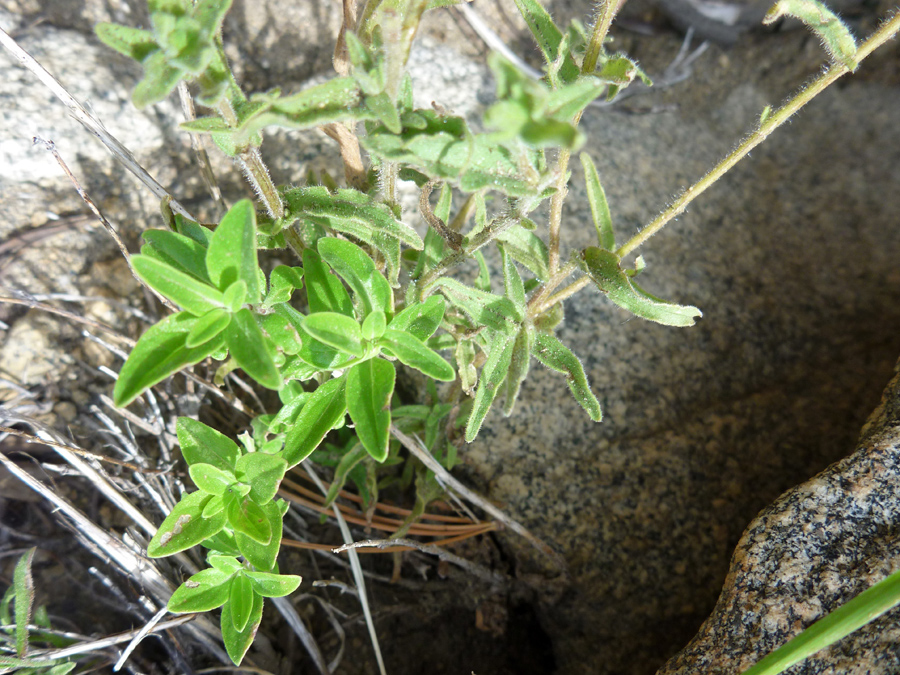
(519,365)
(179,251)
(599,207)
(185,526)
(834,34)
(512,283)
(201,444)
(491,310)
(159,80)
(421,319)
(186,291)
(555,355)
(134,43)
(374,325)
(207,327)
(604,270)
(492,376)
(283,280)
(527,248)
(24,594)
(249,347)
(160,352)
(370,385)
(546,34)
(324,409)
(336,330)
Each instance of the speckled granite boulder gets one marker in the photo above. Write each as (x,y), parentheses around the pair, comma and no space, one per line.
(816,547)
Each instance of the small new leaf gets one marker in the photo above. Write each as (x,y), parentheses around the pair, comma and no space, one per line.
(263,473)
(599,207)
(274,585)
(238,642)
(185,526)
(210,479)
(370,385)
(247,517)
(414,353)
(240,601)
(336,330)
(324,409)
(263,556)
(492,376)
(369,286)
(24,598)
(232,252)
(249,347)
(204,591)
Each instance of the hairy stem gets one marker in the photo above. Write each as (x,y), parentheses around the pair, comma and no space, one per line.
(887,31)
(605,15)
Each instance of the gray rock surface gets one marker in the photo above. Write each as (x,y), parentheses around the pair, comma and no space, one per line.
(792,258)
(818,546)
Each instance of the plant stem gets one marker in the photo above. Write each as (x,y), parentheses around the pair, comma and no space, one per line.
(538,304)
(887,30)
(567,292)
(556,203)
(605,15)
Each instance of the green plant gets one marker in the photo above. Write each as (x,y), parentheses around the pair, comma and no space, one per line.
(371,292)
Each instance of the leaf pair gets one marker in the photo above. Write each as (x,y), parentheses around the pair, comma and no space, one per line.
(239,591)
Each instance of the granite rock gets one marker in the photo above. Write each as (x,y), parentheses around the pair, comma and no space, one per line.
(816,547)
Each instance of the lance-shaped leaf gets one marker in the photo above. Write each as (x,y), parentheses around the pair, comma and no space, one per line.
(315,354)
(465,363)
(336,330)
(493,311)
(369,286)
(274,585)
(210,479)
(232,252)
(384,110)
(604,270)
(324,409)
(23,583)
(238,642)
(414,353)
(599,207)
(179,251)
(225,563)
(159,80)
(185,526)
(618,71)
(204,591)
(160,352)
(519,364)
(240,601)
(835,36)
(186,291)
(374,325)
(324,291)
(421,319)
(263,556)
(546,34)
(201,444)
(247,517)
(568,100)
(263,472)
(492,375)
(512,283)
(208,327)
(249,347)
(283,281)
(370,385)
(555,355)
(527,248)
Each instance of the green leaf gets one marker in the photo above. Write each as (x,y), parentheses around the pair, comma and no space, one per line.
(24,594)
(281,332)
(412,352)
(319,356)
(546,34)
(179,251)
(263,556)
(225,563)
(240,601)
(249,347)
(184,290)
(263,473)
(210,479)
(385,111)
(207,327)
(519,364)
(247,517)
(370,385)
(618,71)
(834,34)
(604,270)
(238,642)
(512,283)
(201,444)
(185,526)
(199,233)
(324,291)
(465,364)
(374,325)
(852,615)
(324,409)
(336,330)
(232,251)
(599,207)
(160,352)
(159,80)
(348,461)
(569,100)
(421,319)
(492,376)
(204,591)
(283,280)
(491,310)
(369,286)
(213,507)
(235,295)
(555,355)
(528,249)
(134,43)
(274,585)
